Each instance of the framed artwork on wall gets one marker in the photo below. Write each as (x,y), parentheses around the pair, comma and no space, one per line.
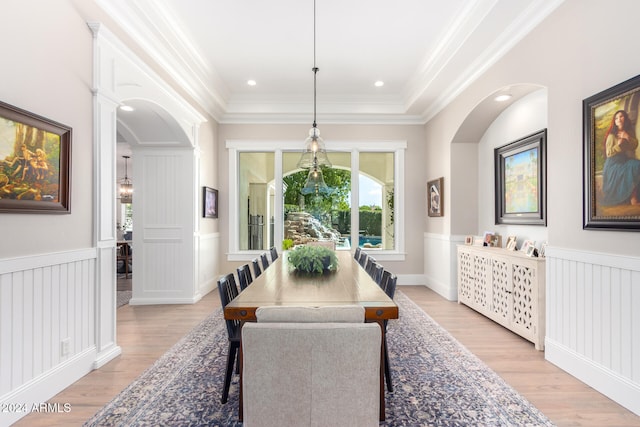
(520,181)
(209,202)
(611,168)
(434,197)
(35,163)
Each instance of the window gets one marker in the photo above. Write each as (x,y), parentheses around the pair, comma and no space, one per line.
(266,205)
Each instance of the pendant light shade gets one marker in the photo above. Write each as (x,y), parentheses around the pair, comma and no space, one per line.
(126,187)
(315,151)
(315,183)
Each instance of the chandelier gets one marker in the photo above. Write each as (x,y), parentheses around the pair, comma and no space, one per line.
(315,153)
(126,187)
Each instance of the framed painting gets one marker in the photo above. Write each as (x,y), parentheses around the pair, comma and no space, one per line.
(35,163)
(520,181)
(209,202)
(611,171)
(434,197)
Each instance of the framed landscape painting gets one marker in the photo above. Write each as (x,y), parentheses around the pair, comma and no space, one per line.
(520,181)
(611,171)
(34,163)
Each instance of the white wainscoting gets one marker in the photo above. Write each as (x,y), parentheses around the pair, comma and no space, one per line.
(209,262)
(593,321)
(45,300)
(440,265)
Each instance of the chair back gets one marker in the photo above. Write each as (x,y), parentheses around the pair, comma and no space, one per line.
(383,280)
(244,276)
(292,370)
(228,291)
(356,254)
(363,259)
(370,265)
(256,268)
(390,286)
(377,273)
(274,253)
(265,260)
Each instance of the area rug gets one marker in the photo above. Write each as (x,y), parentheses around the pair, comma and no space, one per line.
(123,298)
(437,382)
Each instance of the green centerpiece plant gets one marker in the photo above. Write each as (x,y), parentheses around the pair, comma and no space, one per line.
(313,259)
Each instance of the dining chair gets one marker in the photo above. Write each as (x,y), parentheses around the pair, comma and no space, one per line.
(376,274)
(363,259)
(228,291)
(265,260)
(296,358)
(390,290)
(274,253)
(371,263)
(256,268)
(244,276)
(356,255)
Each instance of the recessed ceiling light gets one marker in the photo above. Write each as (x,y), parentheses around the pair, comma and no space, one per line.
(251,82)
(379,83)
(503,97)
(126,108)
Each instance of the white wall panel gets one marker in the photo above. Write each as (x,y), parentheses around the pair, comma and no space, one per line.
(593,325)
(39,308)
(439,251)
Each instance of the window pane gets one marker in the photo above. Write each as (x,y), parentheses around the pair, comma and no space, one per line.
(317,216)
(255,198)
(376,190)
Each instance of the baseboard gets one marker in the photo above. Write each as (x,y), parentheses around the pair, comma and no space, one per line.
(442,289)
(410,279)
(605,381)
(45,386)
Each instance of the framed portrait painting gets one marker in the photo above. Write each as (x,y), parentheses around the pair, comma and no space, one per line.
(520,181)
(434,197)
(611,171)
(35,163)
(209,202)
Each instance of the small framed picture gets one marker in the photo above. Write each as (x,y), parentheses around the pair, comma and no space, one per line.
(487,238)
(531,251)
(526,244)
(543,250)
(468,240)
(478,240)
(209,202)
(434,197)
(511,243)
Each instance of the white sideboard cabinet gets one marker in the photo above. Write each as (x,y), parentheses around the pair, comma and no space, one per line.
(506,286)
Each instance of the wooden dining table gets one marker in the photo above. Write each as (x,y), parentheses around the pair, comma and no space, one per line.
(281,285)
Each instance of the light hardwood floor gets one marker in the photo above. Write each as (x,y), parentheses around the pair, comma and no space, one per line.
(146,332)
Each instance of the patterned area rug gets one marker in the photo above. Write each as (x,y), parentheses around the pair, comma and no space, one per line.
(123,298)
(437,382)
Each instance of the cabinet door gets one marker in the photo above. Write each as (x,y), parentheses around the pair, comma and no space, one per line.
(481,270)
(465,277)
(501,289)
(523,319)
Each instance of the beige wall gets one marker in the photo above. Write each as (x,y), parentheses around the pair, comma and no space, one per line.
(415,178)
(46,69)
(570,56)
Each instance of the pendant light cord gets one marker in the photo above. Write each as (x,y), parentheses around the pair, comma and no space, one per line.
(315,69)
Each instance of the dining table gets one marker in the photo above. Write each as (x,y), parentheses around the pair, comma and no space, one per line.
(281,285)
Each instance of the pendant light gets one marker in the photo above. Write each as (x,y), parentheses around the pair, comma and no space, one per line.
(315,183)
(315,153)
(126,187)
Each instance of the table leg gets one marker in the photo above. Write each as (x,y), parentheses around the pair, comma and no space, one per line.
(382,402)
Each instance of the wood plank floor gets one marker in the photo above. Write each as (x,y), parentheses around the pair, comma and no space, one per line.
(146,332)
